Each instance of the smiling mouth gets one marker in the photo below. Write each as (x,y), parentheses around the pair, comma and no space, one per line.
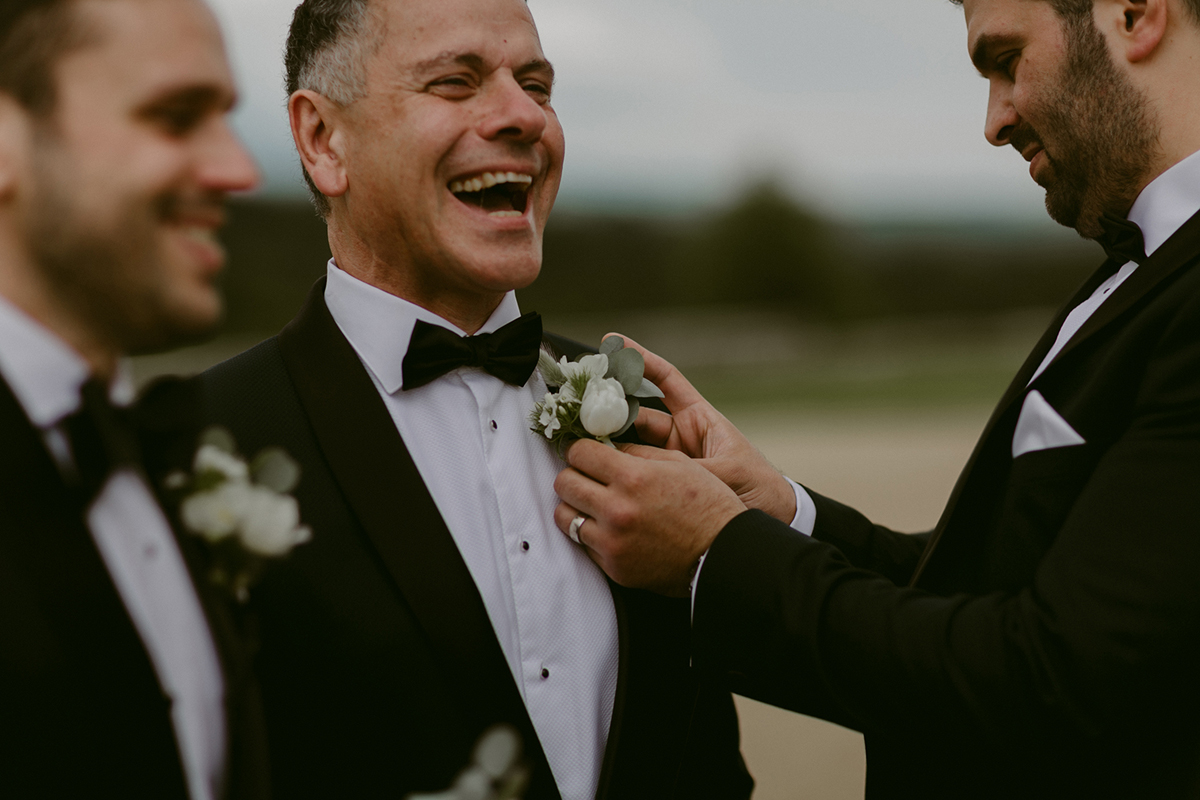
(499,194)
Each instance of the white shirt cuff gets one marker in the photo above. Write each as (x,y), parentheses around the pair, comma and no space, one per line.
(806,511)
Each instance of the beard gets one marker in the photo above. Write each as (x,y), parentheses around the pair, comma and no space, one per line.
(1102,133)
(106,262)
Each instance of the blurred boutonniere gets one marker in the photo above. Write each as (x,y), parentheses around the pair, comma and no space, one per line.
(496,771)
(242,510)
(598,396)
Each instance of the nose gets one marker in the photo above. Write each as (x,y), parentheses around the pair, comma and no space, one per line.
(224,164)
(1002,116)
(512,112)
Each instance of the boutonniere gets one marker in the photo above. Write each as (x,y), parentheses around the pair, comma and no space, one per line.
(598,395)
(242,510)
(496,771)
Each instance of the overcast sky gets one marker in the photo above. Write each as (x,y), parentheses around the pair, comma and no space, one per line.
(863,108)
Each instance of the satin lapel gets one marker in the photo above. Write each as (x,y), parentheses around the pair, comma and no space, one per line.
(612,746)
(374,470)
(1015,390)
(1182,248)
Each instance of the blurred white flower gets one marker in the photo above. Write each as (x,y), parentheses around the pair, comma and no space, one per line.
(218,512)
(548,418)
(210,458)
(605,409)
(271,522)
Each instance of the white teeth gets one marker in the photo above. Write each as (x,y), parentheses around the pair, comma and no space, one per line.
(203,235)
(506,214)
(487,180)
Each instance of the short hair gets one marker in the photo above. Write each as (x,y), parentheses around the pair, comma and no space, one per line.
(1076,10)
(328,46)
(34,35)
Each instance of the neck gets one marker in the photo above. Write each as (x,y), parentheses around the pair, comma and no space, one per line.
(22,285)
(465,308)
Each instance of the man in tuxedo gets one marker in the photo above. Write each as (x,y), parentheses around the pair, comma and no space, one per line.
(122,673)
(437,599)
(1042,641)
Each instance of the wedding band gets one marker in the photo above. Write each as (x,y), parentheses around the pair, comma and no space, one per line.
(573,528)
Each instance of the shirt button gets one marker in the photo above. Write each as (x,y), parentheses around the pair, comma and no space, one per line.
(545,673)
(525,546)
(494,425)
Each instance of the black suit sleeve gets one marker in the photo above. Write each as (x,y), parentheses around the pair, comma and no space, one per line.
(1103,638)
(865,544)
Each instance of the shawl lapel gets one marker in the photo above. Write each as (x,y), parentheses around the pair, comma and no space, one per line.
(167,420)
(382,485)
(1179,250)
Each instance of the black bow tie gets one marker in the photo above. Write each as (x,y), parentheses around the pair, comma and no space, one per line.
(102,437)
(511,353)
(1122,240)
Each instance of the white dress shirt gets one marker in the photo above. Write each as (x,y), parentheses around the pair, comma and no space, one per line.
(136,544)
(493,482)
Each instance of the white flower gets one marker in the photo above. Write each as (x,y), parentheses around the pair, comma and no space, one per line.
(605,409)
(548,419)
(218,512)
(594,366)
(271,523)
(211,458)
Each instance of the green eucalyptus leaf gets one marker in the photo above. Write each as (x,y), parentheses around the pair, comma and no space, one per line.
(627,367)
(634,407)
(551,372)
(648,389)
(612,345)
(275,469)
(220,438)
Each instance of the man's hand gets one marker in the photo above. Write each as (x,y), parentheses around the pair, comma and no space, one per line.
(651,513)
(698,430)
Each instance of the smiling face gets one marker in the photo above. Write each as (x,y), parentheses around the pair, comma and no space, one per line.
(452,159)
(1059,99)
(130,170)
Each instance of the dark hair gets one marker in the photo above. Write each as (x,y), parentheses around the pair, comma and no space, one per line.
(34,34)
(1077,10)
(327,49)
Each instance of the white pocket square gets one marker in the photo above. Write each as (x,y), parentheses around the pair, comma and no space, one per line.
(1040,427)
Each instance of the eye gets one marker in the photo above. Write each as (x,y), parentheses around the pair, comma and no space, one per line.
(538,90)
(1007,62)
(455,87)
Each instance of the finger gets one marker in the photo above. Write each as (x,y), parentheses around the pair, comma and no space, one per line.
(598,461)
(654,426)
(578,491)
(677,390)
(651,453)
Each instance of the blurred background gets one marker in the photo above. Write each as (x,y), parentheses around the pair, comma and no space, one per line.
(792,201)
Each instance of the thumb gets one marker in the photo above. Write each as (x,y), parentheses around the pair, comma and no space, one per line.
(651,453)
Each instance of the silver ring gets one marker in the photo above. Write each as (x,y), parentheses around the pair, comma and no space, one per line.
(573,528)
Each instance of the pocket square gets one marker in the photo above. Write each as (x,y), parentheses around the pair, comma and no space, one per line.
(1040,427)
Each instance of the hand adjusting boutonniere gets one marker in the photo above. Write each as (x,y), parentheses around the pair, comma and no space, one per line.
(243,511)
(597,397)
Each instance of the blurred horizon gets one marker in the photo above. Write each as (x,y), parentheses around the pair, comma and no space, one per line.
(868,111)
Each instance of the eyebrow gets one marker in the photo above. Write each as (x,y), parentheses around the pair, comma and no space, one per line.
(475,62)
(202,95)
(987,44)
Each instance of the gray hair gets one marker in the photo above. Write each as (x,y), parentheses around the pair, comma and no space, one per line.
(328,46)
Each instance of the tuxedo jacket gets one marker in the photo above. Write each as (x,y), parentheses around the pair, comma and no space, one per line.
(82,713)
(1044,639)
(379,666)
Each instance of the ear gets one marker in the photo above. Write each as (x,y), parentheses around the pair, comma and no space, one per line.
(1138,26)
(14,146)
(316,130)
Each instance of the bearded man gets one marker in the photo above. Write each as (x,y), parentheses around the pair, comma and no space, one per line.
(123,675)
(437,599)
(1042,641)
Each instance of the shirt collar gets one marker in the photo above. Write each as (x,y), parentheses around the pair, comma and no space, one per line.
(1167,202)
(44,373)
(379,325)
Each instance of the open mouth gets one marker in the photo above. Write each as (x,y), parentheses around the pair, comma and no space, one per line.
(499,194)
